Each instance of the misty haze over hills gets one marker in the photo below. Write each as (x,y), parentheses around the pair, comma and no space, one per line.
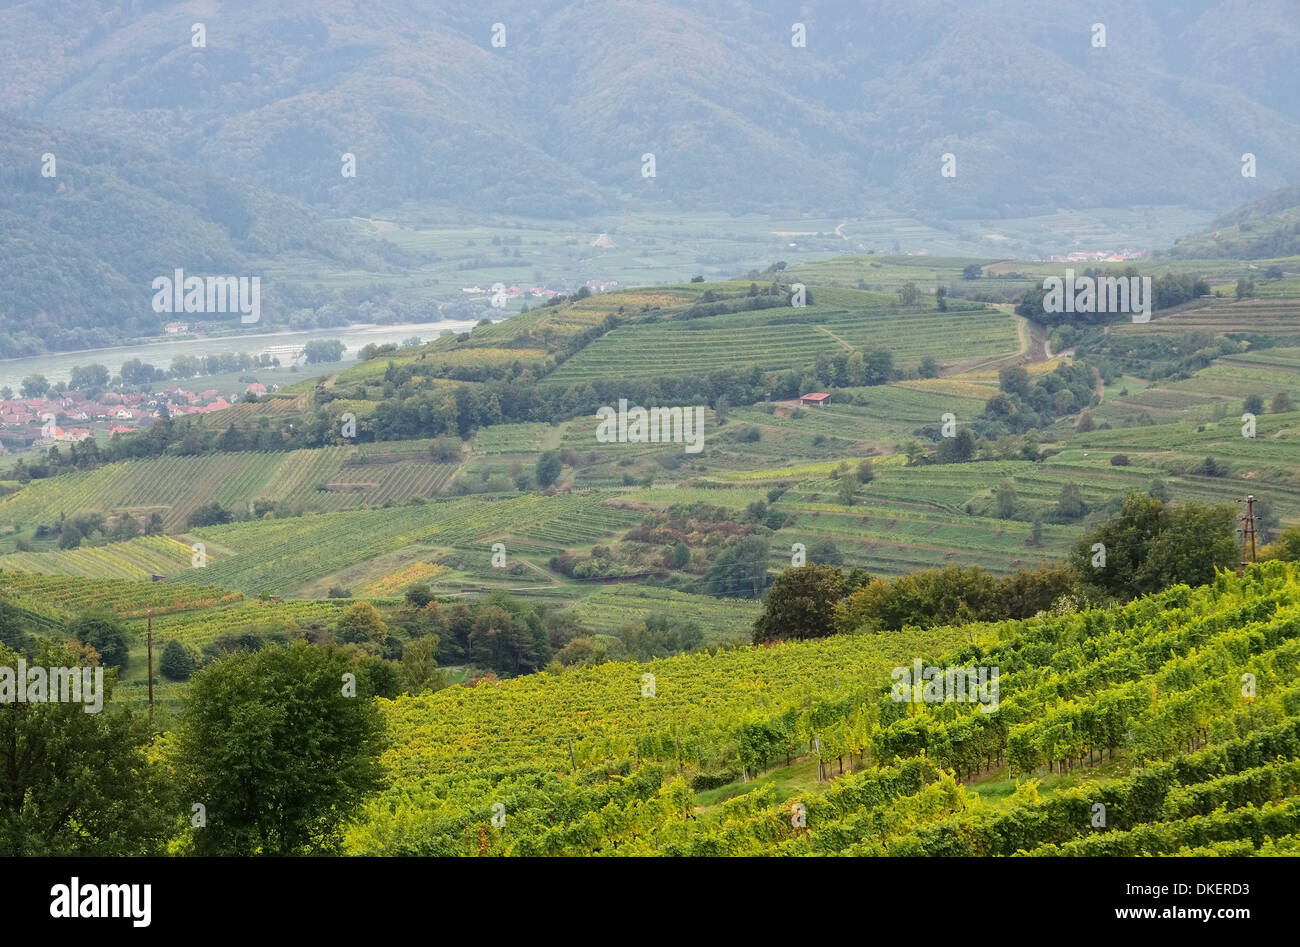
(555,123)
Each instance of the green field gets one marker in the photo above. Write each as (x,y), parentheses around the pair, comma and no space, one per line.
(764,339)
(1153,721)
(323,479)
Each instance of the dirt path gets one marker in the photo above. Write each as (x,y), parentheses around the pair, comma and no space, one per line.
(1024,334)
(826,331)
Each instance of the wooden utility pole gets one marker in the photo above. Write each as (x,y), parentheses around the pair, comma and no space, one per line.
(150,645)
(1247,535)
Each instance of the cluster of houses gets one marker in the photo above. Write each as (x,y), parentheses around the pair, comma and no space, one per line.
(33,422)
(1098,256)
(515,292)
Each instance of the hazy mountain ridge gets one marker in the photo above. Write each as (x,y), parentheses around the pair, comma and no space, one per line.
(556,122)
(79,250)
(1266,227)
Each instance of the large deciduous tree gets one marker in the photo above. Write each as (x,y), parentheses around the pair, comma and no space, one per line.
(278,751)
(78,783)
(800,604)
(1149,546)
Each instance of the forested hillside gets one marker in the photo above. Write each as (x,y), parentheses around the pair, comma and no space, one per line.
(737,116)
(81,245)
(1259,229)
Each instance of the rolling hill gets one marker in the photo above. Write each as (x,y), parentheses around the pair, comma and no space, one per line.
(79,249)
(1265,228)
(737,117)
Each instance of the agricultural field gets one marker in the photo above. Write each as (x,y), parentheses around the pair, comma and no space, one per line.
(381,515)
(773,340)
(1155,723)
(607,610)
(526,438)
(137,558)
(1279,317)
(64,595)
(321,479)
(283,556)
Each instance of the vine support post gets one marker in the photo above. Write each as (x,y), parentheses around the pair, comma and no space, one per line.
(1247,535)
(149,639)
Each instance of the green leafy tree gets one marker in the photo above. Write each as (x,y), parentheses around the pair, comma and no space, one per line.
(1014,380)
(1005,500)
(932,597)
(178,662)
(88,378)
(15,629)
(1070,506)
(1254,404)
(951,595)
(877,365)
(824,552)
(419,672)
(323,350)
(958,449)
(282,757)
(361,623)
(418,595)
(1286,546)
(210,514)
(35,386)
(846,490)
(548,468)
(659,636)
(74,783)
(741,570)
(445,450)
(1197,540)
(104,632)
(800,604)
(126,527)
(1149,546)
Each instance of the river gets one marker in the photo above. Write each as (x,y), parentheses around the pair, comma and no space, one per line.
(58,366)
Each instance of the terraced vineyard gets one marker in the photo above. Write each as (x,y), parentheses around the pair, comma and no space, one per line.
(283,556)
(513,438)
(137,558)
(590,761)
(199,627)
(327,478)
(1279,317)
(64,596)
(607,610)
(451,761)
(698,346)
